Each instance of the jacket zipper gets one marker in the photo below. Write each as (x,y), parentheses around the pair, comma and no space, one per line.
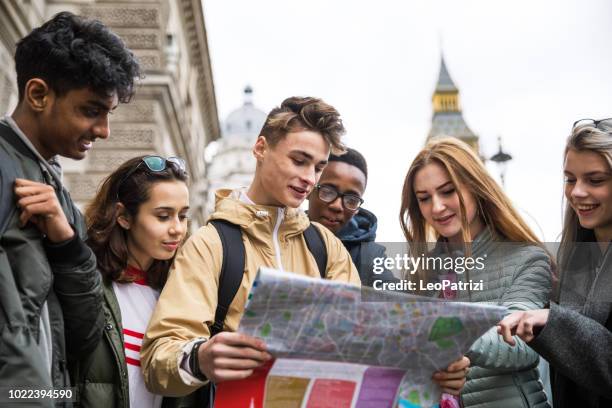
(279,220)
(66,379)
(122,369)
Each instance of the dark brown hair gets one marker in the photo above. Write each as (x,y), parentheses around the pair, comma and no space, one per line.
(106,237)
(305,113)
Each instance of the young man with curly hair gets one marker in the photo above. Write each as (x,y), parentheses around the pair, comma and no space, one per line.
(71,74)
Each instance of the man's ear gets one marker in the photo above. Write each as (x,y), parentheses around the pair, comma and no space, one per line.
(260,148)
(37,94)
(123,218)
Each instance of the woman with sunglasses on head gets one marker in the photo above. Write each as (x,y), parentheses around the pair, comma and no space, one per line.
(449,196)
(575,332)
(136,222)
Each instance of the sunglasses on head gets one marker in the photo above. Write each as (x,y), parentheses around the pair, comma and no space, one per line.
(583,122)
(155,164)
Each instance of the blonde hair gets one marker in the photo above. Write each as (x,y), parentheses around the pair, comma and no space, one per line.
(597,139)
(305,113)
(464,168)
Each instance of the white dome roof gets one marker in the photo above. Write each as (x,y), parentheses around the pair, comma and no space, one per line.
(245,122)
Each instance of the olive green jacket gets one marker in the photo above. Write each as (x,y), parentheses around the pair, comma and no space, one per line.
(102,376)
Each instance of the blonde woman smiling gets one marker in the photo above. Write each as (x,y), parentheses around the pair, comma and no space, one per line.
(449,196)
(575,333)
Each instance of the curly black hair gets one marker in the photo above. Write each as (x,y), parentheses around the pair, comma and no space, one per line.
(352,157)
(71,52)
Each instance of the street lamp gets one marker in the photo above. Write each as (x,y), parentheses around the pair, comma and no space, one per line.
(501,158)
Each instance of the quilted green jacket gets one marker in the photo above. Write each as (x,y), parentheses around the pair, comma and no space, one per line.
(517,276)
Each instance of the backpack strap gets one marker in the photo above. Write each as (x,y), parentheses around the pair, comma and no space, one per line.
(232,266)
(316,246)
(8,174)
(232,269)
(10,137)
(7,180)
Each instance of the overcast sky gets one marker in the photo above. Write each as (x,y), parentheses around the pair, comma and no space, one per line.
(525,70)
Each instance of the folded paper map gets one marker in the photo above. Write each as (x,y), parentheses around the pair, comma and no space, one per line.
(341,345)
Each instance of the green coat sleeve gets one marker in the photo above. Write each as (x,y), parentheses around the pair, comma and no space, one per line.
(530,289)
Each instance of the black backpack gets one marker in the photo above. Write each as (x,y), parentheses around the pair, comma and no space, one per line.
(232,269)
(232,266)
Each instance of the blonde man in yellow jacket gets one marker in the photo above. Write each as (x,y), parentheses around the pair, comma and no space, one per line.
(179,355)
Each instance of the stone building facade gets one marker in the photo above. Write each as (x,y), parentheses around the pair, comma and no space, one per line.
(232,164)
(174,112)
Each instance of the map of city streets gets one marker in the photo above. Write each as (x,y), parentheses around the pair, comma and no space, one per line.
(349,331)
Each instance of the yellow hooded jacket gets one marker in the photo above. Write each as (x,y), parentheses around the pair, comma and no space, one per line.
(188,301)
